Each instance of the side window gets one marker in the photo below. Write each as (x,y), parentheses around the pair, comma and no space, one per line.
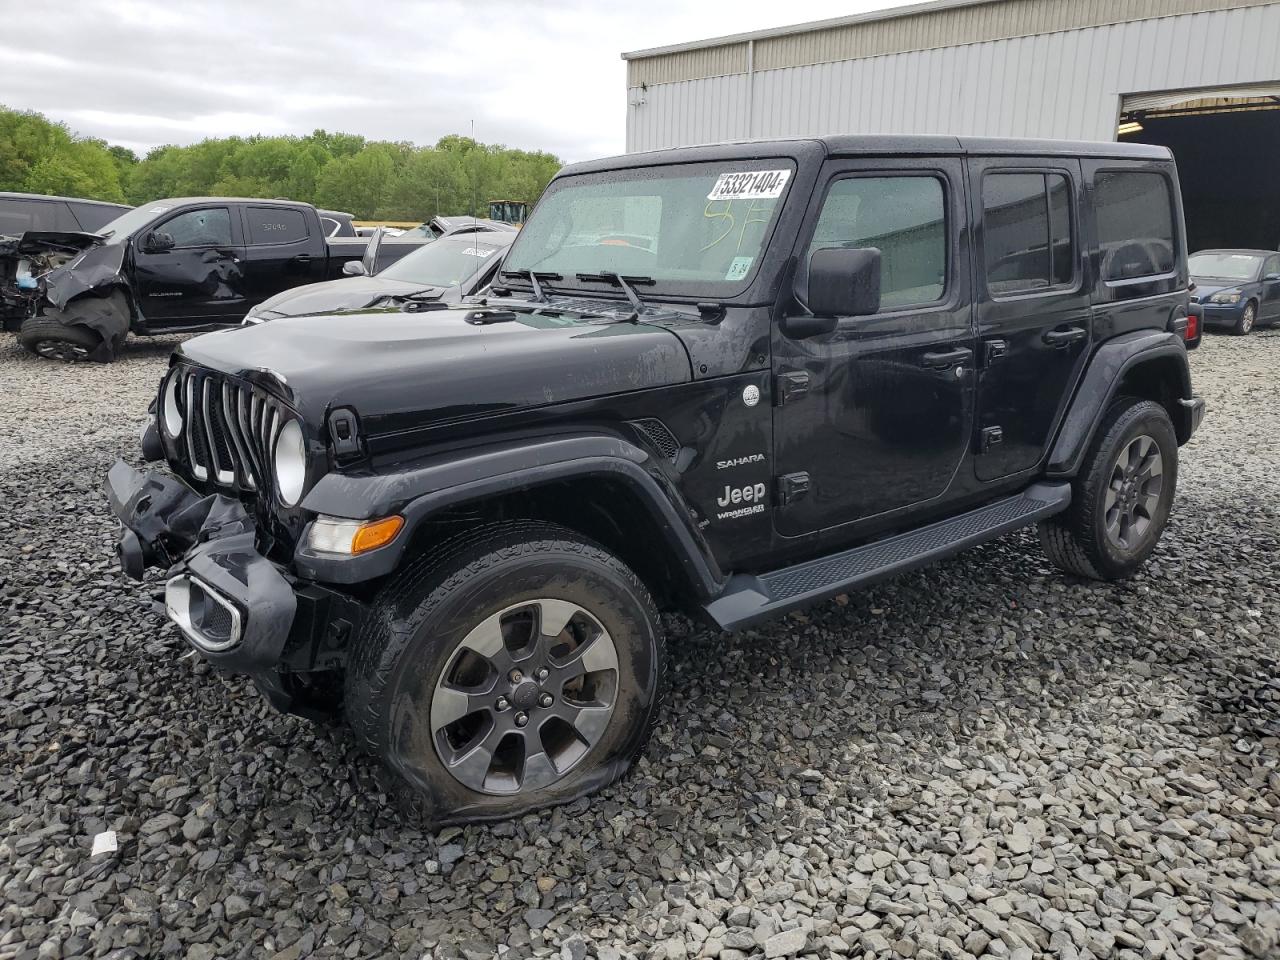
(905,218)
(1135,224)
(199,228)
(276,225)
(1271,267)
(329,226)
(18,216)
(1026,229)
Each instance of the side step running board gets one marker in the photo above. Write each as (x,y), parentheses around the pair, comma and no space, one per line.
(747,599)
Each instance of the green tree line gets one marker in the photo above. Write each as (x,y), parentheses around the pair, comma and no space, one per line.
(372,179)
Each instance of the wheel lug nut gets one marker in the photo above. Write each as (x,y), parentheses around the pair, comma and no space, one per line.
(502,703)
(543,674)
(521,719)
(516,676)
(545,700)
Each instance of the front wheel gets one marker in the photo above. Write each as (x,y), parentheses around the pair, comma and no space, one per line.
(54,340)
(1248,317)
(1120,501)
(514,670)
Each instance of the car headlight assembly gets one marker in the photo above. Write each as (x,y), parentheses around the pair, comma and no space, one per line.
(1225,298)
(290,464)
(170,413)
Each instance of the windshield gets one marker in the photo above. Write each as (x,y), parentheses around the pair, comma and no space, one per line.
(445,263)
(1225,266)
(127,224)
(694,229)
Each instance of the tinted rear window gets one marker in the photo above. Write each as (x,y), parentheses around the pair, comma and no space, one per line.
(1027,232)
(91,216)
(1135,224)
(276,225)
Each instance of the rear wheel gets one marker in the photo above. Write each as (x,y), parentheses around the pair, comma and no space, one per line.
(55,340)
(1248,317)
(516,670)
(1122,497)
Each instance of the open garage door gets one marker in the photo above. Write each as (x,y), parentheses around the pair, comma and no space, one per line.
(1225,141)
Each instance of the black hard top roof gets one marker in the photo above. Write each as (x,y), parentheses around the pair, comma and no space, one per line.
(6,195)
(880,145)
(257,201)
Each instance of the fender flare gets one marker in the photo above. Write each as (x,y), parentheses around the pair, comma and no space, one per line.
(1107,369)
(421,489)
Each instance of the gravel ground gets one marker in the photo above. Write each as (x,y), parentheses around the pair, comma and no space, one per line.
(983,759)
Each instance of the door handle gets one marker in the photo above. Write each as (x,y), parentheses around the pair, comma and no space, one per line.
(949,358)
(302,258)
(1065,338)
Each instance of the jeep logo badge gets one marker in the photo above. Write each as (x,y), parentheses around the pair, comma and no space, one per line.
(751,395)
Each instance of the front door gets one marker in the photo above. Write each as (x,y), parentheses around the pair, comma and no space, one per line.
(198,280)
(877,415)
(1269,308)
(1033,306)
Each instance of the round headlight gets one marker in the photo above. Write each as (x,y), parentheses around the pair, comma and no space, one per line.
(290,464)
(170,413)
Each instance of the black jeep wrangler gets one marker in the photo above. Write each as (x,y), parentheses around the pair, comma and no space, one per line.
(729,380)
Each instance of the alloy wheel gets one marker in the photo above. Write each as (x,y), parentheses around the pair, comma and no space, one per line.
(524,697)
(1246,320)
(1133,492)
(61,350)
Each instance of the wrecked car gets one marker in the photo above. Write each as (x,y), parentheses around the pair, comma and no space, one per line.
(177,265)
(445,271)
(726,380)
(42,217)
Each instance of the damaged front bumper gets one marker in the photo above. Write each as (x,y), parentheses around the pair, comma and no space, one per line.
(238,609)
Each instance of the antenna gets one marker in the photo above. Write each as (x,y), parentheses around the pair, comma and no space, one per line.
(475,179)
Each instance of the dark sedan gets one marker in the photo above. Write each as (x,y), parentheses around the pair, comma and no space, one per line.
(447,270)
(1238,288)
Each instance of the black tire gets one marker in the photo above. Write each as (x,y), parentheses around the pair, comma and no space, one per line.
(1084,539)
(398,662)
(1248,320)
(55,340)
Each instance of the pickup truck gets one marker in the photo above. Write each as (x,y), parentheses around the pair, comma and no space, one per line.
(184,264)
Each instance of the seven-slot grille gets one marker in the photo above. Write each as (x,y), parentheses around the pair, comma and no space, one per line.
(230,429)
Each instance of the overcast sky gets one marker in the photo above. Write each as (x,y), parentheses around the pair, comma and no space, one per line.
(542,74)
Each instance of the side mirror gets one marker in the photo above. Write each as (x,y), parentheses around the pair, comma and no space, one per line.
(353,268)
(844,282)
(157,241)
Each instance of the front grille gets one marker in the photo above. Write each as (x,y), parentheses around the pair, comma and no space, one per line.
(230,429)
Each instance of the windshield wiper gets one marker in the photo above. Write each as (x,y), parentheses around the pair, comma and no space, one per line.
(532,275)
(618,280)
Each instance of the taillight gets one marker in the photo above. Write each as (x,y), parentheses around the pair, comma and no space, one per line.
(1193,326)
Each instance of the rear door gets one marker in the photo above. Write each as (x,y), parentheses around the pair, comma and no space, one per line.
(1033,307)
(283,249)
(197,281)
(877,415)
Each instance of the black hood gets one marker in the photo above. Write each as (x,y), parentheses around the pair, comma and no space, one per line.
(350,293)
(401,370)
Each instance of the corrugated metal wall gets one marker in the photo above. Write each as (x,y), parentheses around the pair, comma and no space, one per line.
(1062,84)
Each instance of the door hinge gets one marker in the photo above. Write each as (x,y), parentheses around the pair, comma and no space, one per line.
(792,487)
(995,350)
(791,385)
(992,437)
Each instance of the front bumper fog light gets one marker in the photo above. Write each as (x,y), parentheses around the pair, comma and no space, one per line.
(352,537)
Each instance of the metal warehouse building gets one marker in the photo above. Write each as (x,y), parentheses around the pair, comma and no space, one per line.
(1199,76)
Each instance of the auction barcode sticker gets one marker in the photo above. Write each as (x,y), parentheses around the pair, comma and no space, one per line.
(478,251)
(752,185)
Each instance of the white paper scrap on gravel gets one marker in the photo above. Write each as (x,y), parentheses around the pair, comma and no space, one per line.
(104,842)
